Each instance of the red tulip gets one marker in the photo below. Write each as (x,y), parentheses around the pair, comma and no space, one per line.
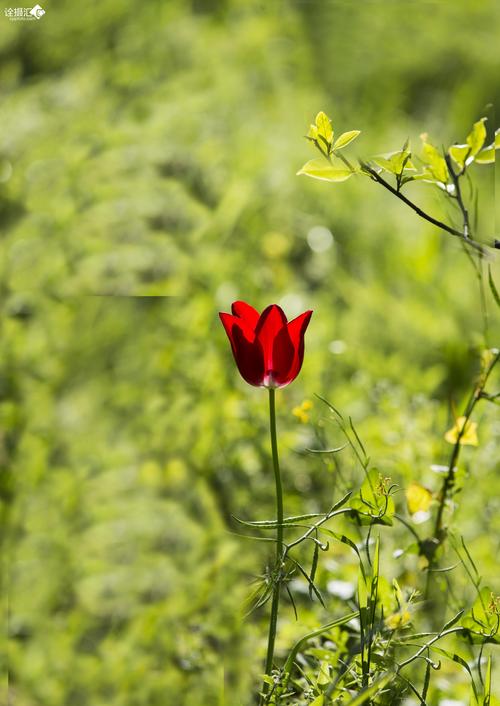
(268,349)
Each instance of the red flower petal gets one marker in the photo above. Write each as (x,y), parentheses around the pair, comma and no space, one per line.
(246,312)
(229,321)
(296,331)
(282,359)
(249,358)
(270,323)
(247,351)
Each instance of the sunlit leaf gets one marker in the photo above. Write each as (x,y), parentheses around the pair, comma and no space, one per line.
(418,498)
(435,161)
(318,701)
(345,139)
(476,137)
(486,156)
(324,128)
(324,677)
(395,162)
(319,169)
(312,133)
(460,154)
(464,430)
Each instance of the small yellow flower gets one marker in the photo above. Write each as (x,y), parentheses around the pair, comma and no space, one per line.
(399,619)
(463,429)
(382,484)
(301,411)
(418,498)
(494,605)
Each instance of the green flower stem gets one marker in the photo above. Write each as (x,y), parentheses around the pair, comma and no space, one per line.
(279,544)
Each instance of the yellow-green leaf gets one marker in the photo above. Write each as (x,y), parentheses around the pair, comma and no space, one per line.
(318,701)
(460,154)
(418,498)
(320,169)
(436,163)
(324,674)
(324,126)
(345,139)
(486,156)
(395,162)
(476,137)
(313,132)
(464,430)
(484,617)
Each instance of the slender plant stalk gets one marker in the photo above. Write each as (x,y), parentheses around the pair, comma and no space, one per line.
(279,544)
(449,479)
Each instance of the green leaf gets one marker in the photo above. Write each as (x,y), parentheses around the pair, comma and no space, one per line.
(362,598)
(373,503)
(303,640)
(452,621)
(484,616)
(318,701)
(312,132)
(319,169)
(460,154)
(436,163)
(395,162)
(324,127)
(370,691)
(324,674)
(476,137)
(487,684)
(345,139)
(486,156)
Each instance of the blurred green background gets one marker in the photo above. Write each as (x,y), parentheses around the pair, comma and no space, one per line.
(148,154)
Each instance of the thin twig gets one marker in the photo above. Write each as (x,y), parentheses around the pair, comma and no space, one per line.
(443,226)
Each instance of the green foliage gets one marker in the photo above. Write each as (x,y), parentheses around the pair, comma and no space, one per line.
(483,619)
(345,139)
(374,501)
(324,171)
(395,162)
(436,169)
